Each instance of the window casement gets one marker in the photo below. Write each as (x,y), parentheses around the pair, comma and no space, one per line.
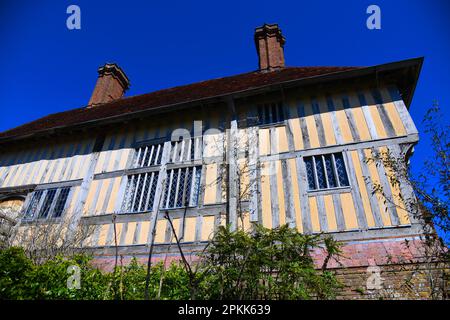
(47,203)
(140,192)
(270,113)
(180,191)
(149,154)
(326,171)
(182,188)
(185,149)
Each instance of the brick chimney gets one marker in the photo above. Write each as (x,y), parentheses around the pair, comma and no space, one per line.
(111,85)
(269,45)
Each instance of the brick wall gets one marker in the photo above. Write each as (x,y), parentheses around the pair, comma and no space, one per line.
(399,281)
(396,268)
(376,269)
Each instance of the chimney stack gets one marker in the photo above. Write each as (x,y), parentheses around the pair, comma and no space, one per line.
(269,44)
(111,85)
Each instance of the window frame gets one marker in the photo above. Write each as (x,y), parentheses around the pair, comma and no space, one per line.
(182,155)
(194,188)
(144,147)
(51,214)
(339,185)
(129,200)
(261,112)
(179,152)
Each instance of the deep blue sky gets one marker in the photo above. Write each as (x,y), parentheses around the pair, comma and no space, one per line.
(46,68)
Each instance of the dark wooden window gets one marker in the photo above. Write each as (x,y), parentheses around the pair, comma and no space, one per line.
(269,113)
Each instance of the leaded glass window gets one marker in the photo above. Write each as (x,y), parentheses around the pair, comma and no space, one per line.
(310,172)
(179,189)
(326,171)
(48,203)
(182,188)
(340,168)
(33,205)
(49,197)
(330,171)
(61,202)
(140,192)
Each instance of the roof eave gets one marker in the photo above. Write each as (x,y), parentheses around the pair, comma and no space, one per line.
(415,63)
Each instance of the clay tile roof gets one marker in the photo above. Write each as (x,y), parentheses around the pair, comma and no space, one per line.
(166,97)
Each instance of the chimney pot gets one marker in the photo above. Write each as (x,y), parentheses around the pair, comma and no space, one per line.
(111,84)
(269,43)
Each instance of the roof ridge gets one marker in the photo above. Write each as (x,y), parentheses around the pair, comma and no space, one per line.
(233,76)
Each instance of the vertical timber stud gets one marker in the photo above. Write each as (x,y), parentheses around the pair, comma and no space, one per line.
(368,184)
(384,180)
(274,201)
(356,192)
(406,189)
(233,178)
(154,214)
(289,197)
(253,172)
(304,199)
(84,188)
(402,110)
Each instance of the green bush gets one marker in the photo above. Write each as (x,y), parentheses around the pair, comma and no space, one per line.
(20,278)
(267,264)
(15,269)
(130,283)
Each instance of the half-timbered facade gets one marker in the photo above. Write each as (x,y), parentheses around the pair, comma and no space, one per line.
(279,145)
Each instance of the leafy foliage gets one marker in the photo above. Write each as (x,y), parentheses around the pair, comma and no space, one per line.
(14,268)
(267,264)
(20,278)
(433,184)
(128,282)
(427,199)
